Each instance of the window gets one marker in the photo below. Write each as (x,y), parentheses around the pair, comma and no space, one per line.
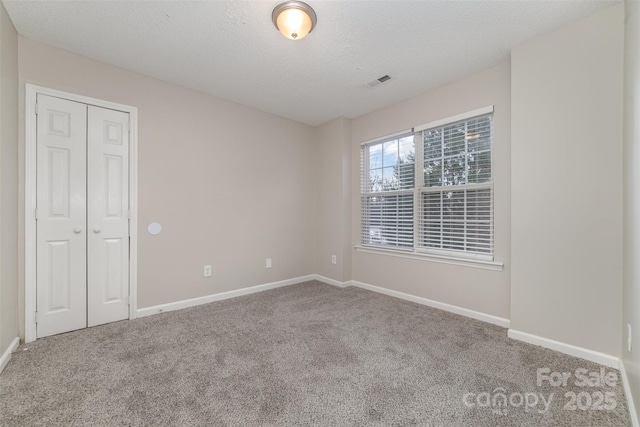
(430,190)
(388,192)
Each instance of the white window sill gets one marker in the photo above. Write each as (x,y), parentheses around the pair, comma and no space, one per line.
(465,262)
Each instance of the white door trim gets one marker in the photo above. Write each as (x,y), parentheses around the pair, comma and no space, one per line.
(30,199)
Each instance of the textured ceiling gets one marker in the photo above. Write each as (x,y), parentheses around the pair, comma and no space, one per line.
(230,49)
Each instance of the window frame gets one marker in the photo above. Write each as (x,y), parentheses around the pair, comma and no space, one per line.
(418,250)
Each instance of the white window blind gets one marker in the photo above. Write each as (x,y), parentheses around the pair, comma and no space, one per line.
(431,191)
(388,182)
(457,191)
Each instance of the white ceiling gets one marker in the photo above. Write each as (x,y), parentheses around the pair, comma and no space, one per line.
(230,49)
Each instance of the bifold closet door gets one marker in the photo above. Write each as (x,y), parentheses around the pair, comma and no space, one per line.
(107,216)
(82,218)
(61,216)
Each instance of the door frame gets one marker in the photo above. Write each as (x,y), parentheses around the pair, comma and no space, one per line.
(31,91)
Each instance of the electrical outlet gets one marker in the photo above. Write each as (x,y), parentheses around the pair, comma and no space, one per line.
(629,337)
(334,259)
(268,263)
(206,271)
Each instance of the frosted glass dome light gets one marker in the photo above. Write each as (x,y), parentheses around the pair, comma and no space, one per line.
(294,19)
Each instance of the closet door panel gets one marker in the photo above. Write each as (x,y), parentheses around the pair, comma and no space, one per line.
(61,216)
(108,222)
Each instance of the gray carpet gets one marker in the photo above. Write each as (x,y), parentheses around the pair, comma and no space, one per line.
(307,354)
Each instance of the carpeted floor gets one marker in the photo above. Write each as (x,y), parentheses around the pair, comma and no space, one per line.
(307,354)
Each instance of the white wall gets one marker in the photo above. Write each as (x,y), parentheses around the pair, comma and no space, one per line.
(631,286)
(332,158)
(8,181)
(471,288)
(230,185)
(566,168)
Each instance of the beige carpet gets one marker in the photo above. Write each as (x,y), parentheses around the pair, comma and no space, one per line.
(307,354)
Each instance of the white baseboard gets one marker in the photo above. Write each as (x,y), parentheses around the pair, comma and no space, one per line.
(7,354)
(329,281)
(627,392)
(500,321)
(148,311)
(571,350)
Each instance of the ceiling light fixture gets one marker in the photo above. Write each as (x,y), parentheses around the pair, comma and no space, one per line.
(294,19)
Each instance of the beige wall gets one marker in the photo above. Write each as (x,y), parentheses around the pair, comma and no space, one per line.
(566,168)
(8,181)
(332,159)
(631,284)
(230,185)
(471,288)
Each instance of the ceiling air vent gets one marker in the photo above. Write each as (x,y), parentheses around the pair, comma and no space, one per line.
(378,81)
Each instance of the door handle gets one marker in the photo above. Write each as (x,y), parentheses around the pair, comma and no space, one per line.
(96,230)
(77,230)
